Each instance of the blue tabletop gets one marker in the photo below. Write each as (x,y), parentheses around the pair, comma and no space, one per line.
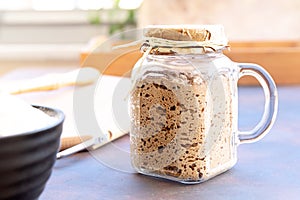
(268,169)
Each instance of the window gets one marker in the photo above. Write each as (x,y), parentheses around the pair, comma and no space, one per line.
(46,5)
(33,27)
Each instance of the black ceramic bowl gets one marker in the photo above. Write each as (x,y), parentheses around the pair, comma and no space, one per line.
(26,159)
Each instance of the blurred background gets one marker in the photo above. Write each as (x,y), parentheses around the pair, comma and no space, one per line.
(57,31)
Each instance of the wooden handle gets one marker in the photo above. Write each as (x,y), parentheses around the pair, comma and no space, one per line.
(68,142)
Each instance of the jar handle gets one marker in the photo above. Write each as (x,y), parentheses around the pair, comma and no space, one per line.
(271,102)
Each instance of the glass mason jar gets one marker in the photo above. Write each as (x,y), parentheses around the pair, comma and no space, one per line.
(184,104)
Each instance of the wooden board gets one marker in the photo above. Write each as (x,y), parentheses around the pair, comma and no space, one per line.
(280,58)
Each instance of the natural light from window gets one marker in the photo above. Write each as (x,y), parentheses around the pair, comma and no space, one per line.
(57,5)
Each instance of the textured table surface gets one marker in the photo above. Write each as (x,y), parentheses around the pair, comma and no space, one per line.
(268,169)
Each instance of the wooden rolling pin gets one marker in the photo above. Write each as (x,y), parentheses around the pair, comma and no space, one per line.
(67,142)
(82,76)
(91,144)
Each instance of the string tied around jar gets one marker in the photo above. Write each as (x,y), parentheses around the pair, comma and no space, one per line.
(177,40)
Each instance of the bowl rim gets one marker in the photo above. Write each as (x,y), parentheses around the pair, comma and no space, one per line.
(60,118)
